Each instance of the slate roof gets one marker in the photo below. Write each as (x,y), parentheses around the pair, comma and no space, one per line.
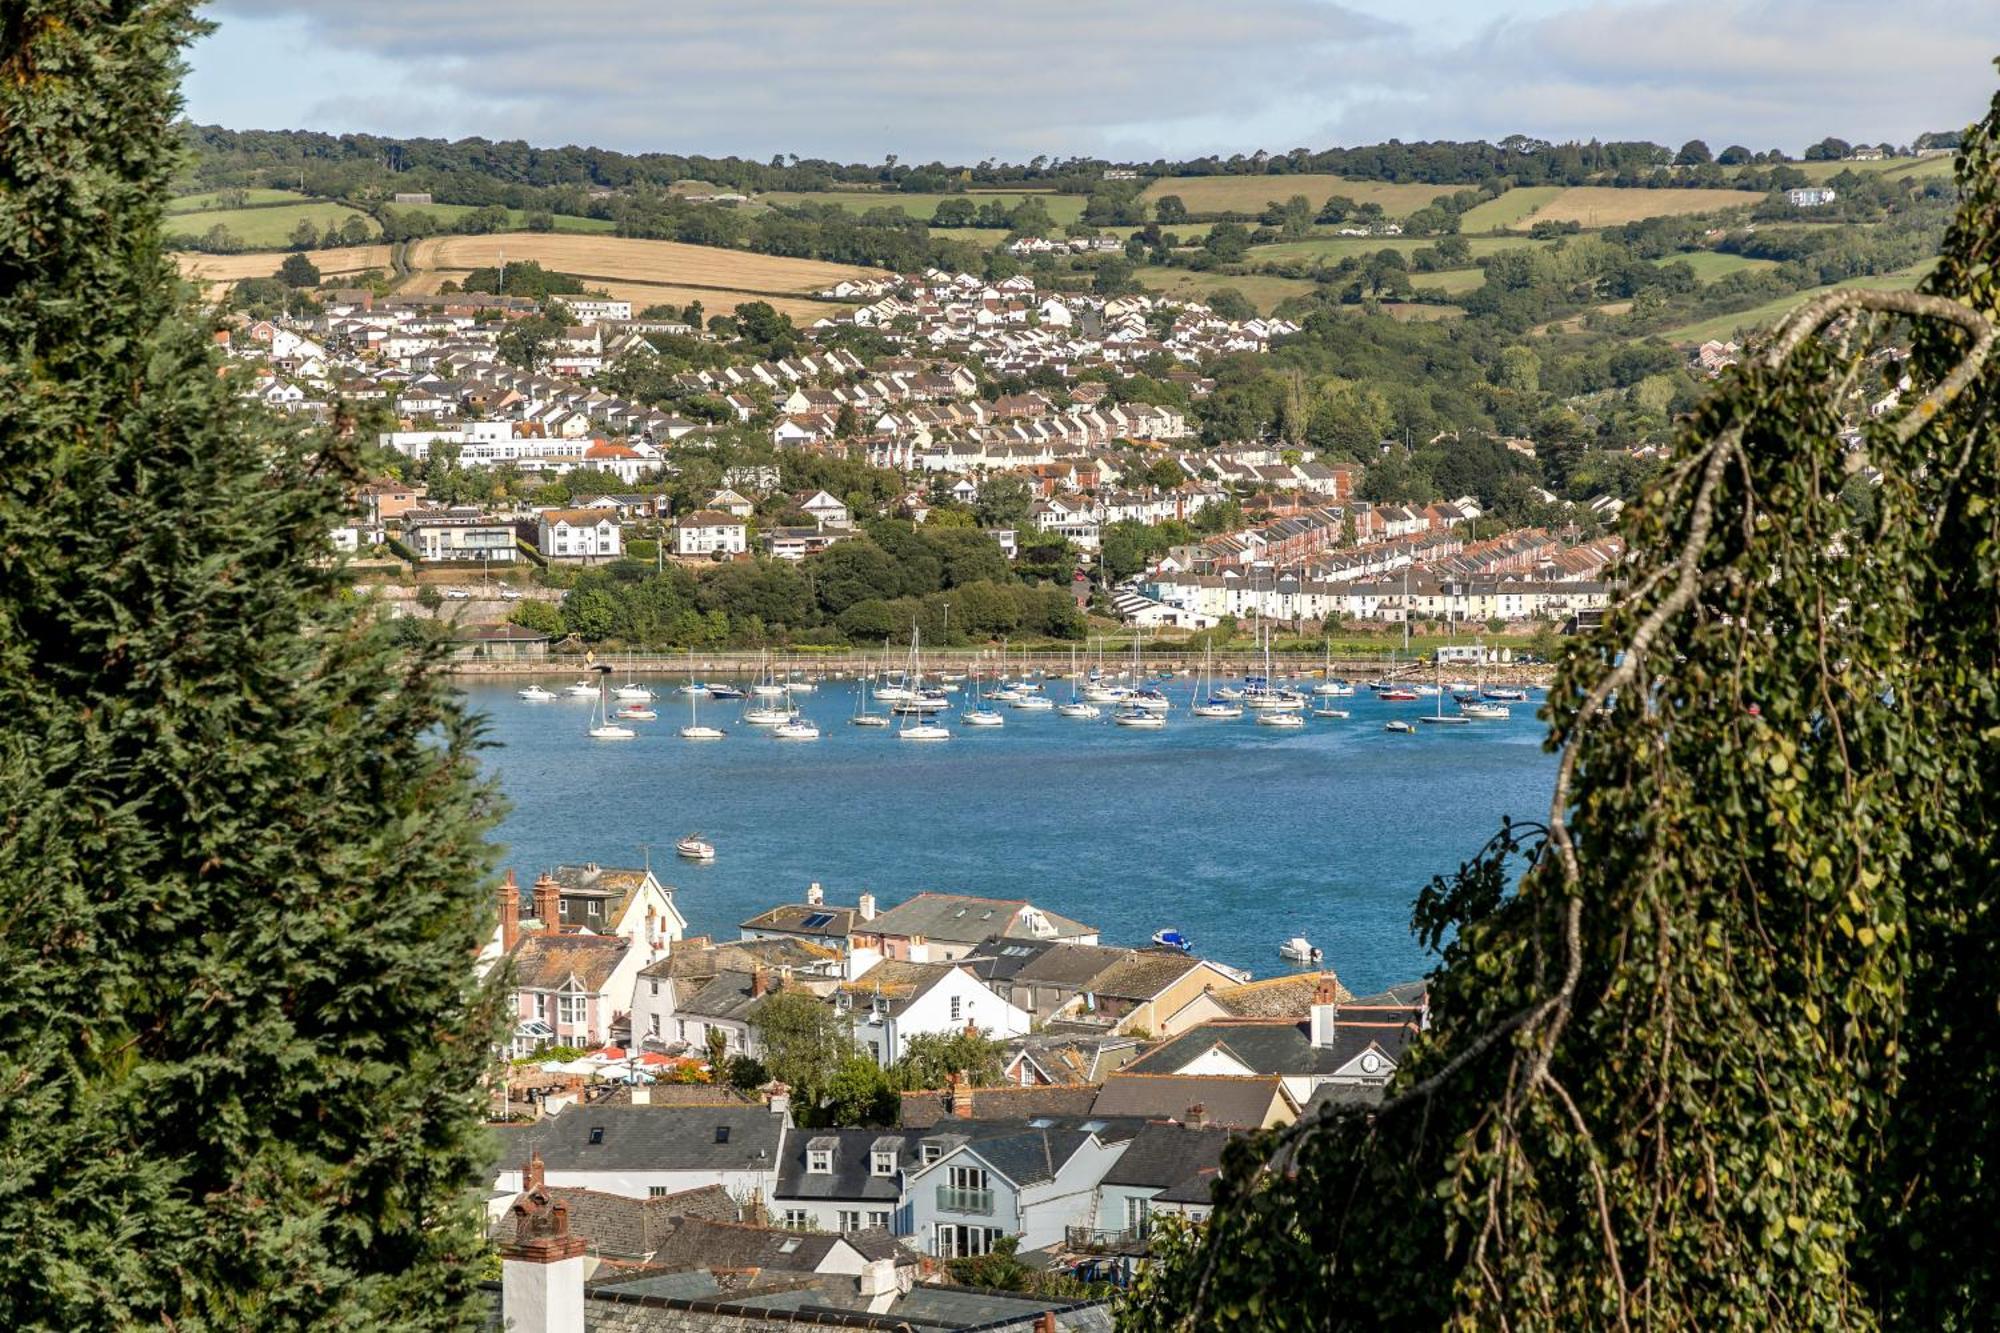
(698,1242)
(621,1227)
(853,1175)
(956,918)
(1046,962)
(740,956)
(1342,1095)
(1076,1057)
(547,962)
(1276,1046)
(1028,1152)
(926,1110)
(726,997)
(649,1138)
(791,918)
(1163,1154)
(616,884)
(1242,1102)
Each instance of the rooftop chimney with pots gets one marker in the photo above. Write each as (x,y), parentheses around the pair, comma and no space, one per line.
(1197,1116)
(865,906)
(959,1092)
(541,1269)
(778,1096)
(510,913)
(815,895)
(548,903)
(1325,1012)
(760,982)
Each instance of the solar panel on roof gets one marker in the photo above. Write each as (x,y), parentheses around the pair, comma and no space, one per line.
(816,920)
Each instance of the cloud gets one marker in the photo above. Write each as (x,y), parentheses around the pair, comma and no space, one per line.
(857,79)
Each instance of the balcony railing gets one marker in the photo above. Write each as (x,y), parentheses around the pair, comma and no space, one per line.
(1123,1240)
(951,1200)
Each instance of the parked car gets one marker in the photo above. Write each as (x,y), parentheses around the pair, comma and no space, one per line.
(510,594)
(457,594)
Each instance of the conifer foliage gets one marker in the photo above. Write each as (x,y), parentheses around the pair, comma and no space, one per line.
(1726,1055)
(242,845)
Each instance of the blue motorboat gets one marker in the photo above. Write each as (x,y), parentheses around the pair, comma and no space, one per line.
(1173,939)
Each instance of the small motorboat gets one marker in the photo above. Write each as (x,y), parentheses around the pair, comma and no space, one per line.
(1398,725)
(1173,939)
(583,689)
(637,713)
(924,731)
(633,692)
(1485,712)
(696,688)
(701,733)
(801,686)
(1290,721)
(1396,694)
(795,728)
(1445,720)
(768,690)
(982,717)
(694,848)
(1331,712)
(1034,703)
(1336,689)
(1298,949)
(725,692)
(1508,694)
(535,694)
(1086,712)
(1139,717)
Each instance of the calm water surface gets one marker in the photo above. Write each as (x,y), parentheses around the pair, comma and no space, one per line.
(1239,835)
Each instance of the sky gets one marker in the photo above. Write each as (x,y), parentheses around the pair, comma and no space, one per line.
(960,81)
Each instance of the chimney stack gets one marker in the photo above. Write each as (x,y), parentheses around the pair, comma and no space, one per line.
(510,913)
(778,1096)
(759,983)
(815,896)
(1197,1117)
(865,905)
(959,1090)
(548,903)
(541,1271)
(642,1094)
(1325,1011)
(755,1214)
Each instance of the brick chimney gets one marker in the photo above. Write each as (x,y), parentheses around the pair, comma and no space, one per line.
(541,1269)
(760,982)
(1197,1117)
(815,895)
(755,1214)
(959,1093)
(548,903)
(510,913)
(1325,1011)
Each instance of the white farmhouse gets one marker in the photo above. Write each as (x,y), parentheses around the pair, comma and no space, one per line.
(711,533)
(578,534)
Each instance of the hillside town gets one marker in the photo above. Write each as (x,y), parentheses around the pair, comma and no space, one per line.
(1306,547)
(1111,1080)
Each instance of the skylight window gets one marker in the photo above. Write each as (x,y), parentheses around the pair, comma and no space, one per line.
(722,1133)
(815,920)
(597,1133)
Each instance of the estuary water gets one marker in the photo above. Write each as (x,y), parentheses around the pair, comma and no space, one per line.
(1238,835)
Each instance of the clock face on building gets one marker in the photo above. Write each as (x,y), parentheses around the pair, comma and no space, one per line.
(1371,1063)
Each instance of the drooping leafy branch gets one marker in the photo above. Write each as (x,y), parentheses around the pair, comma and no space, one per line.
(1725,1057)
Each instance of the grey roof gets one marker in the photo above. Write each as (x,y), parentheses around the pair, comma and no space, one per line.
(957,918)
(1164,1155)
(693,958)
(852,1177)
(1277,1047)
(1047,962)
(792,918)
(649,1138)
(1027,1152)
(1227,1100)
(925,1110)
(622,1227)
(1342,1095)
(726,997)
(697,1242)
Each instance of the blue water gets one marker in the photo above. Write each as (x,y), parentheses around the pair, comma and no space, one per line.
(1239,835)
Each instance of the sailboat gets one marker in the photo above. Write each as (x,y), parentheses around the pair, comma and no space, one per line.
(1442,718)
(602,728)
(1212,705)
(916,726)
(862,717)
(637,712)
(1078,707)
(767,708)
(1328,686)
(694,730)
(979,715)
(1477,704)
(1261,696)
(693,687)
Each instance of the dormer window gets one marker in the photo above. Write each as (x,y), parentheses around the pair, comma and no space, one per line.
(930,1152)
(884,1164)
(819,1161)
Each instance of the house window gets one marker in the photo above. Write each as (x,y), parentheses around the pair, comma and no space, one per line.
(796,1219)
(572,1009)
(593,909)
(931,1152)
(850,1219)
(966,1177)
(878,1217)
(955,1241)
(1137,1211)
(885,1163)
(658,1191)
(653,1022)
(683,1025)
(655,985)
(819,1161)
(954,1008)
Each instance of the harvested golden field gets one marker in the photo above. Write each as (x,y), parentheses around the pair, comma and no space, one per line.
(430,280)
(231,268)
(1608,206)
(1249,194)
(612,259)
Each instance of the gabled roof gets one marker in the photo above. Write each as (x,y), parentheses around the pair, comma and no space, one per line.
(698,1242)
(932,1109)
(1142,975)
(1164,1154)
(897,983)
(853,1176)
(1241,1102)
(806,919)
(650,1138)
(547,962)
(692,959)
(1278,1046)
(622,1227)
(959,918)
(728,996)
(1288,996)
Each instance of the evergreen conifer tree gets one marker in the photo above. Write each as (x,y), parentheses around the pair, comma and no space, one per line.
(242,858)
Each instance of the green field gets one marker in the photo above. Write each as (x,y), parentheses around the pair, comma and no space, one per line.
(1333,249)
(1260,290)
(1249,194)
(1062,207)
(1451,281)
(1820,171)
(1508,210)
(1708,265)
(269,228)
(212,201)
(1189,233)
(1757,317)
(517,218)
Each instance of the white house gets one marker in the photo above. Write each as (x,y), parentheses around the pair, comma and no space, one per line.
(843,1179)
(895,1000)
(707,532)
(578,534)
(646,1151)
(1033,1180)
